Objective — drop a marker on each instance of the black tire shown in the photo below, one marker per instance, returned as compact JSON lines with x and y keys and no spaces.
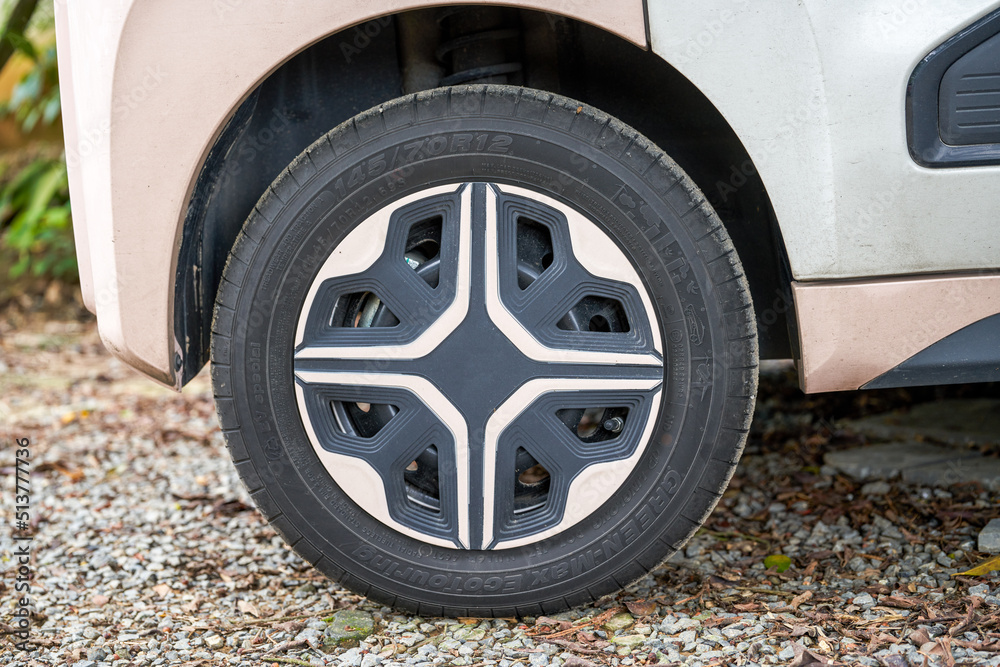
{"x":548,"y":149}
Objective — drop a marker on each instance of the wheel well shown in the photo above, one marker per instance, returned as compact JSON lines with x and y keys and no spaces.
{"x":358,"y":68}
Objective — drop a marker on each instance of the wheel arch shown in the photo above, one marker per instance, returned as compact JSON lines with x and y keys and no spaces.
{"x":287,"y":110}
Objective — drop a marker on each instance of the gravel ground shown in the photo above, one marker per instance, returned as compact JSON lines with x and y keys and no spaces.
{"x":147,"y":551}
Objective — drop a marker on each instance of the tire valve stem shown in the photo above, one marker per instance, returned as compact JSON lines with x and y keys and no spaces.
{"x":614,"y":425}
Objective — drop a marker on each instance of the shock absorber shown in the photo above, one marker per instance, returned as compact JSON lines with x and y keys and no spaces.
{"x":481,"y":45}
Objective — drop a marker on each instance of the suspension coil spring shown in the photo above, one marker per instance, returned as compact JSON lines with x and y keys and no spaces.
{"x":481,"y":47}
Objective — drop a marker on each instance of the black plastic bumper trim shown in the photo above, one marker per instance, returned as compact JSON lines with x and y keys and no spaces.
{"x":971,"y":354}
{"x":922,"y":102}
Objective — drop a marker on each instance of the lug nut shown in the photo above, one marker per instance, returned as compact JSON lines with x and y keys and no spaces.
{"x":614,"y":425}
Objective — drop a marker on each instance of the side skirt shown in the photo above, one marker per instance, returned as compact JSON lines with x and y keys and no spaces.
{"x":895,"y":332}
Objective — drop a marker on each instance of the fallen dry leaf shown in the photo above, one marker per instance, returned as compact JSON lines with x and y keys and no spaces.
{"x":74,"y":474}
{"x":987,"y":566}
{"x":800,"y":630}
{"x":291,"y":627}
{"x":192,"y":606}
{"x":806,"y":658}
{"x":880,"y":639}
{"x":799,"y":599}
{"x":575,"y":661}
{"x":248,"y":608}
{"x":900,"y":603}
{"x":641,"y":607}
{"x":546,"y":622}
{"x":940,"y":649}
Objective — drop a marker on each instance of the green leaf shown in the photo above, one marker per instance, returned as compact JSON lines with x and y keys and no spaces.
{"x":22,"y":44}
{"x":778,"y":562}
{"x":35,"y":206}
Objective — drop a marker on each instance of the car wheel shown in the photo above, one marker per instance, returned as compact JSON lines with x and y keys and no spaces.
{"x":484,"y":351}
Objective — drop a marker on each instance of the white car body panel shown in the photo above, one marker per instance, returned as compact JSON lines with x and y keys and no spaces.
{"x":816,"y":91}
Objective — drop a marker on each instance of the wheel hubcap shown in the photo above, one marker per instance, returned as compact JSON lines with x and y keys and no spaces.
{"x":478,"y":366}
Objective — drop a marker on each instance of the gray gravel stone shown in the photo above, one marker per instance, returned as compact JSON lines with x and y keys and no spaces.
{"x":347,"y":628}
{"x":878,"y":488}
{"x":982,"y":590}
{"x":989,"y":537}
{"x":865,"y":600}
{"x":619,"y":622}
{"x":687,"y":637}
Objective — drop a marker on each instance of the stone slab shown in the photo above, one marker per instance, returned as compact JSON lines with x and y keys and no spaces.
{"x":956,"y":421}
{"x":890,"y":460}
{"x":985,"y":471}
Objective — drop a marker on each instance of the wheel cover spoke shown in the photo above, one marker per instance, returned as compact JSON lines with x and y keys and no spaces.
{"x":487,"y":373}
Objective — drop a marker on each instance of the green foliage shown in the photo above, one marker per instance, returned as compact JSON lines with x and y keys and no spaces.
{"x":35,"y":218}
{"x":35,"y":207}
{"x":35,"y":97}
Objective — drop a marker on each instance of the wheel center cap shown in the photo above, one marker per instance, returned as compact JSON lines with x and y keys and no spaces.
{"x":477,"y":367}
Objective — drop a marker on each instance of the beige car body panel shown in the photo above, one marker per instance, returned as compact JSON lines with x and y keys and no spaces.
{"x":155,"y":81}
{"x":814,"y":89}
{"x":857,"y":330}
